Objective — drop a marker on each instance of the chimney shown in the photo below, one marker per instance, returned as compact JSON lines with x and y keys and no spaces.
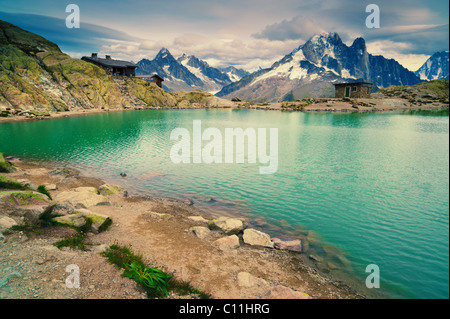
{"x":108,"y":57}
{"x":94,"y":55}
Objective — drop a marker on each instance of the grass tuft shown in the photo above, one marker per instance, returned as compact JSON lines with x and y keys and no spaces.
{"x":155,"y":282}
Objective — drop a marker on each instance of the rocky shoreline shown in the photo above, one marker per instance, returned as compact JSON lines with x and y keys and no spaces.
{"x":307,"y":105}
{"x":222,"y":257}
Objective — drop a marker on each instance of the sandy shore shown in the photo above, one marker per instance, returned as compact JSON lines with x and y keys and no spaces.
{"x":239,"y":273}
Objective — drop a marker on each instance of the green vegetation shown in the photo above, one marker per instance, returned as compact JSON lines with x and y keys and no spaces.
{"x":155,"y":282}
{"x":23,"y":198}
{"x":26,"y":228}
{"x":43,"y":190}
{"x":9,"y":183}
{"x":76,"y":240}
{"x":5,"y":167}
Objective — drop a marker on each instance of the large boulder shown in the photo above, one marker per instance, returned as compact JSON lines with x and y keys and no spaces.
{"x":227,"y":243}
{"x":6,"y":223}
{"x":79,"y":217}
{"x":73,"y":220}
{"x":99,"y":221}
{"x":229,"y":226}
{"x":107,"y":189}
{"x":27,"y":204}
{"x":256,"y":238}
{"x":86,"y":196}
{"x":200,"y":231}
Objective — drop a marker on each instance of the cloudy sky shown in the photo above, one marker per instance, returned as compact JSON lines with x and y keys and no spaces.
{"x":243,"y":33}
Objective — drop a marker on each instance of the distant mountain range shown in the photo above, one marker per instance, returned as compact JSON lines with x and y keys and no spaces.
{"x":436,"y":67}
{"x":188,"y":73}
{"x":311,"y":70}
{"x":308,"y":71}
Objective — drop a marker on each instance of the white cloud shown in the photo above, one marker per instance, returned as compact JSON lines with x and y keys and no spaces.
{"x":295,"y":29}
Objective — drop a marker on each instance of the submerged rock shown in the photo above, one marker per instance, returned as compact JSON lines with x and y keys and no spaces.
{"x":291,"y":245}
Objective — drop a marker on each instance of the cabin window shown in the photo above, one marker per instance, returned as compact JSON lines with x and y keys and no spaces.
{"x":354,"y":88}
{"x":368,"y":91}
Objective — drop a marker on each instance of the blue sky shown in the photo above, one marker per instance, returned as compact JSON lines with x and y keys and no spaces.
{"x":244,"y":33}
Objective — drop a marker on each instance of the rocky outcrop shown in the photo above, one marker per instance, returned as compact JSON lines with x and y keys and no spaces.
{"x":38,"y":79}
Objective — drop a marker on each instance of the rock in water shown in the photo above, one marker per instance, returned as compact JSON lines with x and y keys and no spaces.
{"x":292,"y":245}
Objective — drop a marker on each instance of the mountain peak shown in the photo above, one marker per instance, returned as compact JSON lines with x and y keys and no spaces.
{"x":328,"y":36}
{"x":359,"y":43}
{"x":163,"y":54}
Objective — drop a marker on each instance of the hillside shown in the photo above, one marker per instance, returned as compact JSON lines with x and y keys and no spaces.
{"x":436,"y":91}
{"x":37,"y":78}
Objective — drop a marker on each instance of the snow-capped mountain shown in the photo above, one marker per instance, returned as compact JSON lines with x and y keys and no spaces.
{"x":188,"y":73}
{"x":213,"y":79}
{"x":436,"y":67}
{"x":176,"y":76}
{"x":311,"y":69}
{"x":234,"y":74}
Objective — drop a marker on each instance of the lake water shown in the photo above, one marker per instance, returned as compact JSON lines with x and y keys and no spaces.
{"x":359,"y":188}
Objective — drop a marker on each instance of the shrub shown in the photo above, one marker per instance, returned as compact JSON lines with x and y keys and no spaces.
{"x":9,"y":183}
{"x":5,"y":167}
{"x":43,"y":190}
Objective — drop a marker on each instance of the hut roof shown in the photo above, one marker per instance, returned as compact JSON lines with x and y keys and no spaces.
{"x":110,"y":62}
{"x":354,"y":83}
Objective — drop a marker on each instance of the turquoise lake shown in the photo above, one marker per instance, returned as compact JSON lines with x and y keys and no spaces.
{"x":359,"y":188}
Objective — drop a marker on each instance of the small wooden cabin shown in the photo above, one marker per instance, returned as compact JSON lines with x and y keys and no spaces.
{"x":113,"y":67}
{"x":154,"y":78}
{"x":353,"y":90}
